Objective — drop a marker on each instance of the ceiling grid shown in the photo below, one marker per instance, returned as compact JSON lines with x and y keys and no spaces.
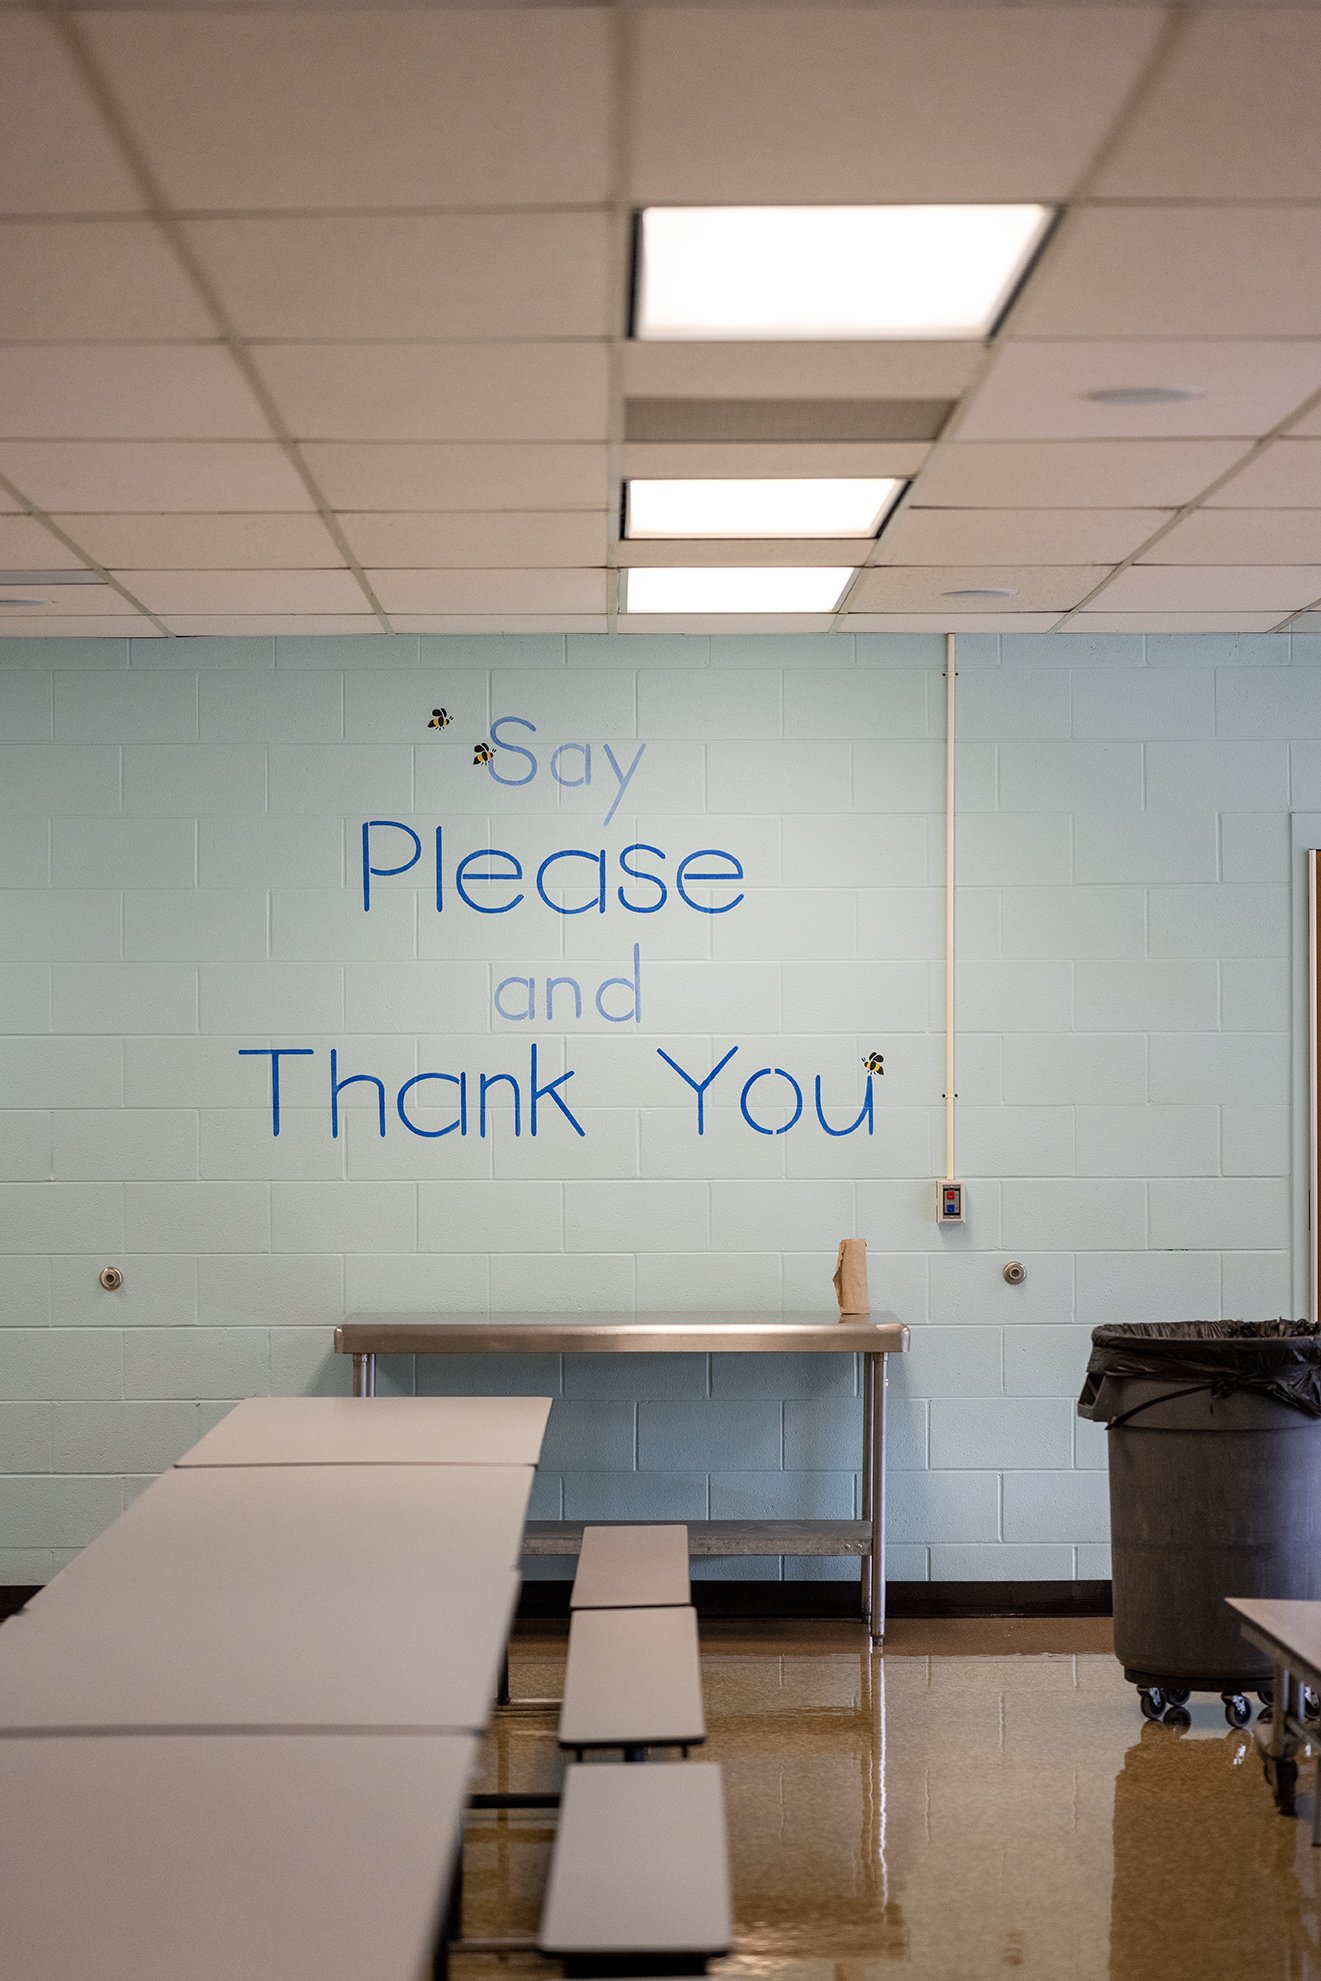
{"x":317,"y":319}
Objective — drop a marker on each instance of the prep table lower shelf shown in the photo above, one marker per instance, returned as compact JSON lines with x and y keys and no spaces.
{"x":724,"y":1537}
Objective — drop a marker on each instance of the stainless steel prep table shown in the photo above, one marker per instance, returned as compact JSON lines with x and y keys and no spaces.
{"x":365,"y":1336}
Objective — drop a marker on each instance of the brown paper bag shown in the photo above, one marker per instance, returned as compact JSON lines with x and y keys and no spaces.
{"x":851,"y":1277}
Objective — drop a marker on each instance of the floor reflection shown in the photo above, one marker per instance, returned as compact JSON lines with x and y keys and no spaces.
{"x":946,"y":1817}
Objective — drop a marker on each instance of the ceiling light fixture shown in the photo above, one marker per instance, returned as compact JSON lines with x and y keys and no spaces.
{"x":1142,"y":395}
{"x":830,"y":271}
{"x":759,"y":588}
{"x":982,"y":591}
{"x":79,"y":577}
{"x":21,"y":604}
{"x":733,"y":509}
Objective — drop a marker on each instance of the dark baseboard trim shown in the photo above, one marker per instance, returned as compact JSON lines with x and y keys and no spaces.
{"x":826,"y":1599}
{"x":540,"y":1600}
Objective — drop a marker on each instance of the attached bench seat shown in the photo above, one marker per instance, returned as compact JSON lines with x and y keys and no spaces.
{"x":631,"y":1568}
{"x":639,"y":1878}
{"x":633,"y":1681}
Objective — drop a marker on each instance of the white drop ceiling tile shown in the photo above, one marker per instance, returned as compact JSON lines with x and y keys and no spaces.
{"x":922,"y":588}
{"x":437,"y":275}
{"x":525,"y":392}
{"x":1172,"y":622}
{"x":897,"y":458}
{"x":61,"y":601}
{"x":167,"y":592}
{"x":1241,"y":536}
{"x":14,"y":626}
{"x":949,"y":622}
{"x":655,"y":369}
{"x":1309,"y":427}
{"x":204,"y":543}
{"x":504,"y":622}
{"x":125,"y":392}
{"x":254,"y":625}
{"x":1016,"y":536}
{"x":1184,"y":271}
{"x":497,"y":540}
{"x":56,"y":155}
{"x":368,"y":108}
{"x":490,"y":591}
{"x":1212,"y":588}
{"x":27,"y":545}
{"x":119,"y":475}
{"x":1040,"y":391}
{"x":1233,"y":113}
{"x":425,"y":475}
{"x":1285,"y":475}
{"x":905,"y":103}
{"x":1073,"y":474}
{"x":93,"y":279}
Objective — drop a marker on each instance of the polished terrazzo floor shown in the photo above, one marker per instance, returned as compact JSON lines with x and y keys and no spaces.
{"x":984,"y":1799}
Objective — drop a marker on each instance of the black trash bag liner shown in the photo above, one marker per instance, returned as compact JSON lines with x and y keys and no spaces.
{"x":1279,"y":1359}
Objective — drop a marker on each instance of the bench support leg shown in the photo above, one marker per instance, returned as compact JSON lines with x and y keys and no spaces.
{"x":873,"y":1460}
{"x":364,"y":1375}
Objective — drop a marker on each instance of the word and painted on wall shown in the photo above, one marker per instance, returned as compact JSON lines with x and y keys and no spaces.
{"x":637,"y":879}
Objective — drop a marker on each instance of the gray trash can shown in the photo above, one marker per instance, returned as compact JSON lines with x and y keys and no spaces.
{"x":1215,"y":1491}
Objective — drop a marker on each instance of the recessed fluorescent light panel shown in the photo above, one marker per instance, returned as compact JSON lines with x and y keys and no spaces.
{"x":801,"y":508}
{"x":830,"y":271}
{"x":733,"y":588}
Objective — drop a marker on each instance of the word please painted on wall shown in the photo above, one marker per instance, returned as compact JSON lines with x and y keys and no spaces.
{"x":770,"y":1101}
{"x":572,"y":880}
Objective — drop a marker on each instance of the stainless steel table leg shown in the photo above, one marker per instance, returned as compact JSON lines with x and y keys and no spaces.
{"x":364,"y":1375}
{"x":877,"y":1375}
{"x":864,"y":1579}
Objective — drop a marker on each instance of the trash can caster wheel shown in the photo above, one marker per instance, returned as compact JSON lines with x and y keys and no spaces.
{"x":1152,"y":1701}
{"x":1178,"y":1695}
{"x":1237,"y":1710}
{"x":1178,"y":1716}
{"x":1266,"y":1694}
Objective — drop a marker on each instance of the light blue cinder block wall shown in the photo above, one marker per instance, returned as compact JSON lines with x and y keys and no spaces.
{"x":179,"y":834}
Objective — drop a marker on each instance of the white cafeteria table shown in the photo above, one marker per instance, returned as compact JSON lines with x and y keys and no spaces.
{"x":397,"y":1430}
{"x":220,"y":1857}
{"x":290,"y":1596}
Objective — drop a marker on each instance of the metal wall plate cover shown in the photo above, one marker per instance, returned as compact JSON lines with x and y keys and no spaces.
{"x":111,"y":1278}
{"x":1015,"y":1273}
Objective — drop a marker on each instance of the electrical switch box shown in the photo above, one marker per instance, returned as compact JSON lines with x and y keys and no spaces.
{"x":950,"y":1205}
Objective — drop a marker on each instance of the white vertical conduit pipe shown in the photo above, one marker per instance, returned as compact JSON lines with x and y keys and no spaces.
{"x":950,"y":1170}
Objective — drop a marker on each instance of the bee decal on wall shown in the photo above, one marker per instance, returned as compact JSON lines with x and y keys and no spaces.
{"x":440,"y":719}
{"x":482,"y":753}
{"x":874,"y":1063}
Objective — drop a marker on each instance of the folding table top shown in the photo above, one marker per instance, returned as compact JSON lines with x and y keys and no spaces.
{"x":378,"y":1430}
{"x":343,"y":1529}
{"x":425,"y":1656}
{"x":280,"y":1596}
{"x":297,"y":1857}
